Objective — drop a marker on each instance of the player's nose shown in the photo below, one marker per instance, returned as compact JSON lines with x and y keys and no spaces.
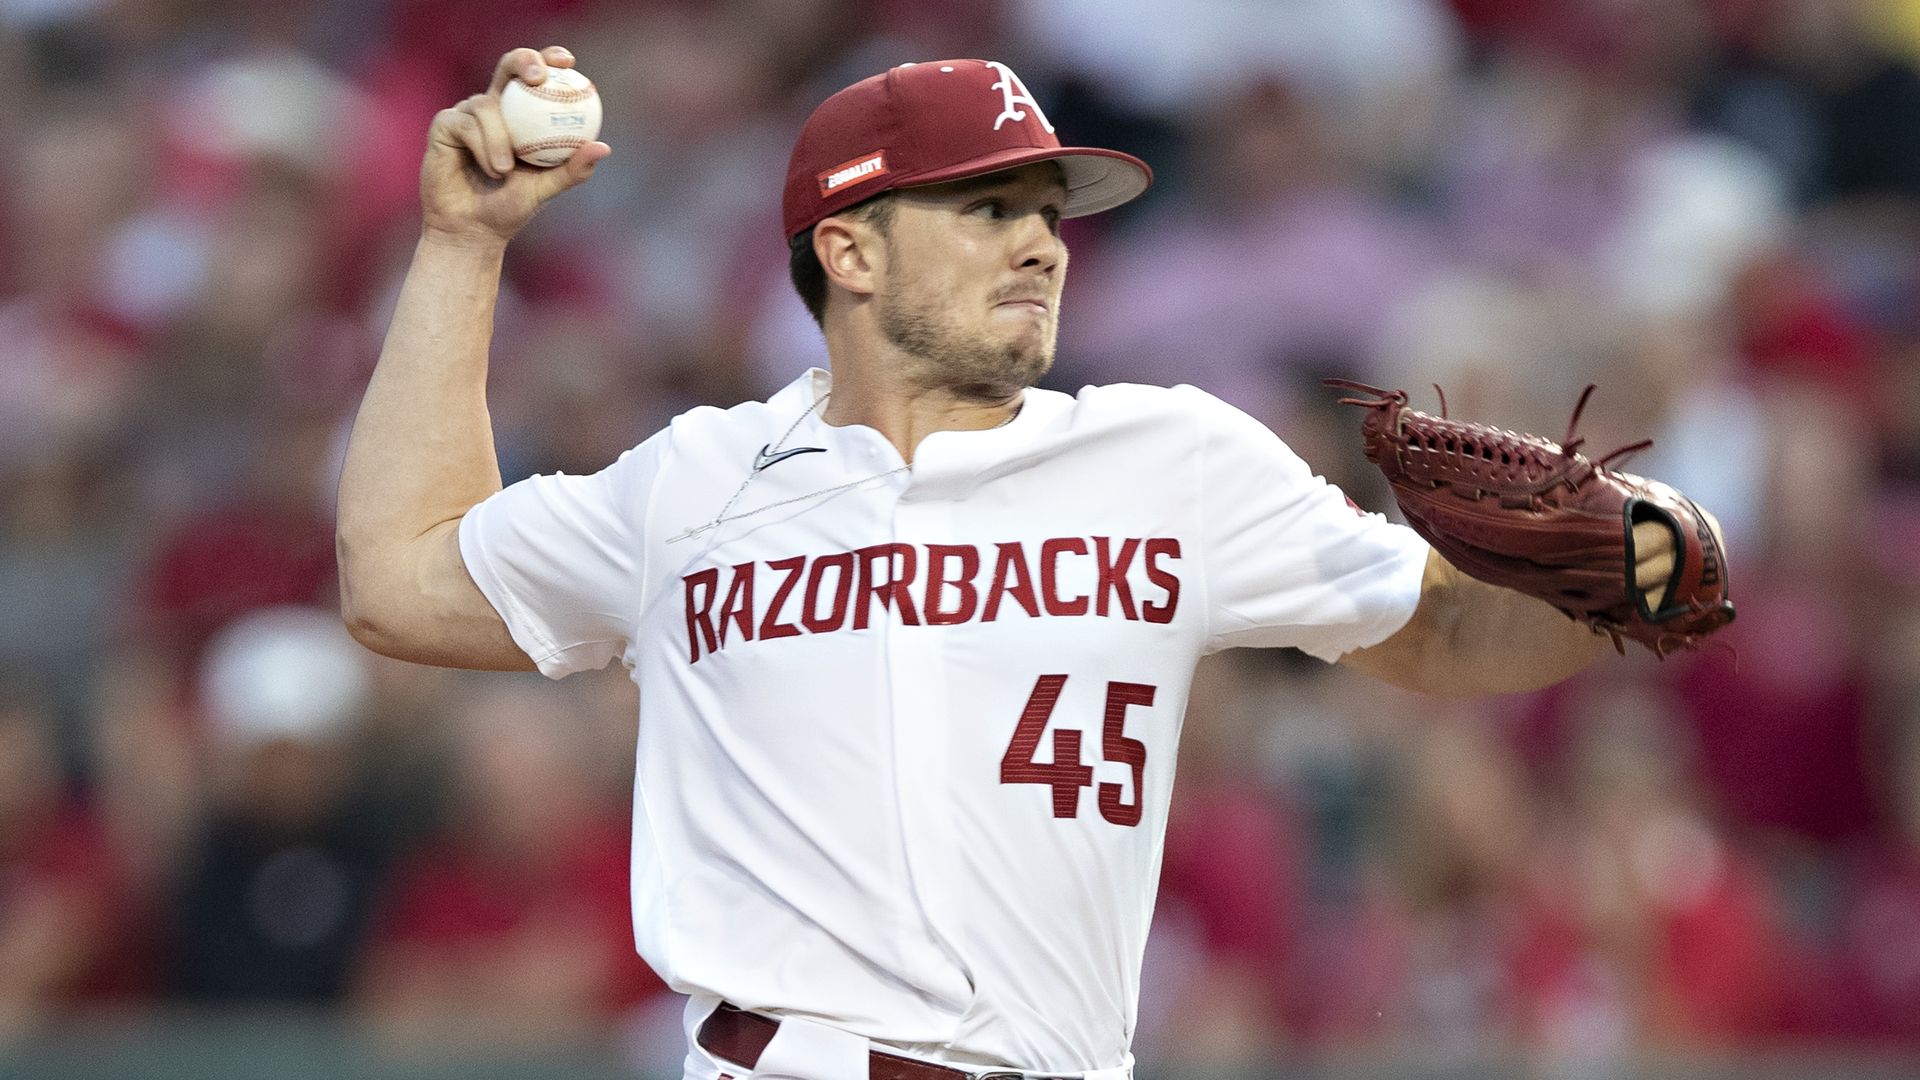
{"x":1037,"y":247}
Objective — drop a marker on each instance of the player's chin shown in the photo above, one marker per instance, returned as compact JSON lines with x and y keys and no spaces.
{"x":1032,"y":337}
{"x":1004,"y":373}
{"x":1029,"y":366}
{"x":1009,"y":363}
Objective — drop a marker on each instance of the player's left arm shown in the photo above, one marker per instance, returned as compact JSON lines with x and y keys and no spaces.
{"x":1468,"y":638}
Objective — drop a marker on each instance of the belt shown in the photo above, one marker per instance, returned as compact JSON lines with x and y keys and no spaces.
{"x":741,"y":1037}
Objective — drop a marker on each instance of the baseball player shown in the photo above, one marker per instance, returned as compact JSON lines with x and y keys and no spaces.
{"x":913,"y":637}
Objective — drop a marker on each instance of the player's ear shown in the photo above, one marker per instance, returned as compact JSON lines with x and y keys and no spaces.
{"x":851,"y":252}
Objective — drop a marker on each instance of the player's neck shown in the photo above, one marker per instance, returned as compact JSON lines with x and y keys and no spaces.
{"x":874,"y":394}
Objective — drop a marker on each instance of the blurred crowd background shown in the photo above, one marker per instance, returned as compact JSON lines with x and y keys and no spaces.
{"x":213,"y":804}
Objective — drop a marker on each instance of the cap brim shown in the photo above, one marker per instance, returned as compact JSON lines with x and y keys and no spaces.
{"x":1096,"y":179}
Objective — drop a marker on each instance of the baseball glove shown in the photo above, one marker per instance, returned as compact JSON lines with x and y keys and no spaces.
{"x":1528,"y":514}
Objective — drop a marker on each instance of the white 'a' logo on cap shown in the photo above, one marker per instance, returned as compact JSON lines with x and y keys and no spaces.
{"x":1014,"y":92}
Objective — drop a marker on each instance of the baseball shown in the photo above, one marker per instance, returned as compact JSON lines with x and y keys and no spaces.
{"x":548,"y":122}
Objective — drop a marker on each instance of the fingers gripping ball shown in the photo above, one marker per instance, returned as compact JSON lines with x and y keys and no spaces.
{"x":547,"y":123}
{"x":1538,"y":517}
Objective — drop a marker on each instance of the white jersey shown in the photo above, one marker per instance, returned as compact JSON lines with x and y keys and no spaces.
{"x":907,"y":735}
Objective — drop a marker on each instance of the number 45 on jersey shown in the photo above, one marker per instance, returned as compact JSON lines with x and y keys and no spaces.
{"x":1066,"y":774}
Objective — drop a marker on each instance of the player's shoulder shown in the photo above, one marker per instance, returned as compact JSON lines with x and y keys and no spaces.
{"x":1175,"y":419}
{"x":1125,"y":401}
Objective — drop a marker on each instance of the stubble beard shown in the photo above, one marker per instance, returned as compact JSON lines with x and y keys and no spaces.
{"x":950,"y":357}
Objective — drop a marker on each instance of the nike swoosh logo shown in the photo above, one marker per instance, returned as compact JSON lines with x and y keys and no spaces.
{"x":763,"y":459}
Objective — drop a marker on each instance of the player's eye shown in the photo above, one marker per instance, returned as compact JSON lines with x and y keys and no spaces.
{"x":990,"y":208}
{"x":1052,"y":216}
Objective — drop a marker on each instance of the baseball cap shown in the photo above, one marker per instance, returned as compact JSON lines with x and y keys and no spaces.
{"x":932,"y":122}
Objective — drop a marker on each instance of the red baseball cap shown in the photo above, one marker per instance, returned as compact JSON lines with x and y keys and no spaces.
{"x":933,"y":122}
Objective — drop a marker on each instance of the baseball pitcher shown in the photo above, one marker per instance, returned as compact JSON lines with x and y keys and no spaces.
{"x":915,"y":637}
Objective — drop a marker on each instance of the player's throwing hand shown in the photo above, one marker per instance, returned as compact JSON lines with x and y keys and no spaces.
{"x":470,"y":185}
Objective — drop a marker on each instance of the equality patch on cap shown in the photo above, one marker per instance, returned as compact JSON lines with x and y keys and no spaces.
{"x":857,"y":171}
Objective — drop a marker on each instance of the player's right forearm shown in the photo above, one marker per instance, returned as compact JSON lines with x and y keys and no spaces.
{"x":421,"y":453}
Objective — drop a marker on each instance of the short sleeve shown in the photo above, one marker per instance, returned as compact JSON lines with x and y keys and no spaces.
{"x":1290,"y":561}
{"x":561,"y":559}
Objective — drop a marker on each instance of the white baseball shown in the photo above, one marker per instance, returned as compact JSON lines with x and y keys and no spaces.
{"x":548,"y":122}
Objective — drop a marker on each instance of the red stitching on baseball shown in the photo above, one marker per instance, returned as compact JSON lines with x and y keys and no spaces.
{"x":554,"y":143}
{"x":561,"y":96}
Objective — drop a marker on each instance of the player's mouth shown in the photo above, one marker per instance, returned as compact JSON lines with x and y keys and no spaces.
{"x":1031,"y":303}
